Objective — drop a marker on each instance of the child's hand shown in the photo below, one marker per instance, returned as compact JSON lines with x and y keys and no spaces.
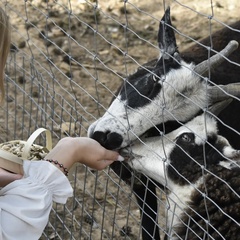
{"x":83,"y":150}
{"x":92,"y":154}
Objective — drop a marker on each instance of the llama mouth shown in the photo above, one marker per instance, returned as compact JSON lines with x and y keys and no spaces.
{"x":126,"y":153}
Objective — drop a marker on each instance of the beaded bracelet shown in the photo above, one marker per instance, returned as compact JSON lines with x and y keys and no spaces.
{"x":59,"y":164}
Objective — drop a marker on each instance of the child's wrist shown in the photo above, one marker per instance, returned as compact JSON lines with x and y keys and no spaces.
{"x":58,"y":165}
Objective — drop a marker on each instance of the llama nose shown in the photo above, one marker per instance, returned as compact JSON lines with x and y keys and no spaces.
{"x":109,"y":140}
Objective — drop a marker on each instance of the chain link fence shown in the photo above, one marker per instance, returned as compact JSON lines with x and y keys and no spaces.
{"x":67,"y":61}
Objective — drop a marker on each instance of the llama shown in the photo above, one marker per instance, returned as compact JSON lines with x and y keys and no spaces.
{"x":135,"y":109}
{"x":172,"y":90}
{"x":201,"y":170}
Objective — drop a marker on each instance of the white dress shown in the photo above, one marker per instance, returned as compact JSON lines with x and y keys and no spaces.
{"x":25,"y":204}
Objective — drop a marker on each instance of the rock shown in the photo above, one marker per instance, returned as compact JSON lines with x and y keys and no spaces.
{"x":22,"y":44}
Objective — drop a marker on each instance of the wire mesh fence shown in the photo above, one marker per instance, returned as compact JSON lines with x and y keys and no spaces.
{"x":68,"y":58}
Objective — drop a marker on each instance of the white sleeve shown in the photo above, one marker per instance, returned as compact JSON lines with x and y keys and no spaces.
{"x":25,"y":204}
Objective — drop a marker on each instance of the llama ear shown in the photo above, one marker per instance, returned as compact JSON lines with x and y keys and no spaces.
{"x":166,"y":36}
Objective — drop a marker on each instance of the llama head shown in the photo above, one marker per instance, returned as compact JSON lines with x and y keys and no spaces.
{"x":171,"y":90}
{"x":180,"y":156}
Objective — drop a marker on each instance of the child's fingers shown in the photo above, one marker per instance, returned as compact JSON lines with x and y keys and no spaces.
{"x":112,"y":156}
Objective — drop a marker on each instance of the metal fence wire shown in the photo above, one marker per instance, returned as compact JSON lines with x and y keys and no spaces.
{"x":68,"y":58}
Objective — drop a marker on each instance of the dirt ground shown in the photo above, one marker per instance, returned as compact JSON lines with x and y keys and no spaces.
{"x":81,"y":53}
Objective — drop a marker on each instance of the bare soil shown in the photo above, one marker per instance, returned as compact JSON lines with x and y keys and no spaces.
{"x":79,"y":54}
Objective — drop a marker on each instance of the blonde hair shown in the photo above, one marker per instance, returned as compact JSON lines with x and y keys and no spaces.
{"x":5,"y":39}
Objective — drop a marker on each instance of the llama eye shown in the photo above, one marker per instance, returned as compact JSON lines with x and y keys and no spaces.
{"x":186,"y":138}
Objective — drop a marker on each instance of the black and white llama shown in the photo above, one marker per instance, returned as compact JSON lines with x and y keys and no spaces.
{"x":164,"y":93}
{"x":201,"y":170}
{"x":171,"y":90}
